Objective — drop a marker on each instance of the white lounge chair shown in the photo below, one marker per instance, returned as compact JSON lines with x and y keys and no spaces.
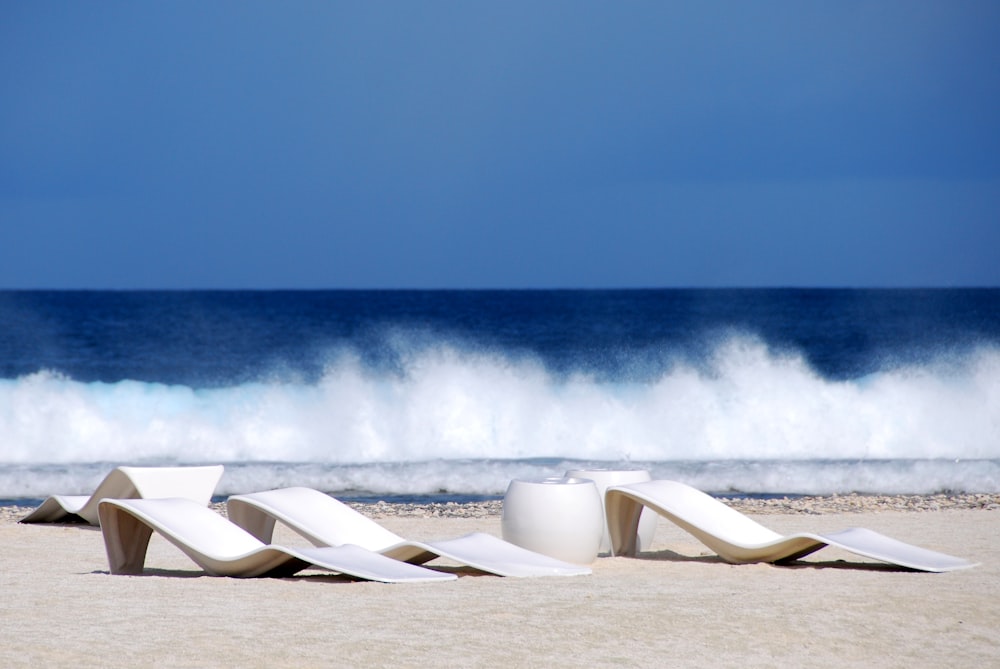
{"x":738,"y":539}
{"x":223,"y":549}
{"x":196,"y":483}
{"x":326,"y":521}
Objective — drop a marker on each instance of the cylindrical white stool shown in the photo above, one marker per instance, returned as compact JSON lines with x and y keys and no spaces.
{"x":558,"y":517}
{"x":605,"y":478}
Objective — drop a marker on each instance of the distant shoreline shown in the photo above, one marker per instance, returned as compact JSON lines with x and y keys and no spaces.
{"x":852,"y":503}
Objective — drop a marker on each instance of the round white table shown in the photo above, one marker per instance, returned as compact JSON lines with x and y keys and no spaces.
{"x":559,"y":517}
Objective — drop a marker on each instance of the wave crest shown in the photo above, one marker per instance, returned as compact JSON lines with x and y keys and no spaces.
{"x":745,"y":402}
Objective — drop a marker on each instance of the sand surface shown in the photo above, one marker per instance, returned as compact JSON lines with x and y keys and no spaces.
{"x":676,"y":606}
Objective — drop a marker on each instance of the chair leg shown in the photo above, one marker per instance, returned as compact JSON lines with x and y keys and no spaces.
{"x":126,"y":539}
{"x":623,"y":523}
{"x":251,"y":519}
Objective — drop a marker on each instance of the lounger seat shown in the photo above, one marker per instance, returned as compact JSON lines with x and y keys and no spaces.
{"x":223,"y":549}
{"x":738,"y":539}
{"x":326,"y":521}
{"x":195,"y":483}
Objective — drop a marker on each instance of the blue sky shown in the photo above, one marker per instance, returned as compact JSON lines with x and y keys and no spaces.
{"x":515,"y":144}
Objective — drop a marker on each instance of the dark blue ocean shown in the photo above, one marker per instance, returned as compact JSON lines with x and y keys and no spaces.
{"x":452,"y":393}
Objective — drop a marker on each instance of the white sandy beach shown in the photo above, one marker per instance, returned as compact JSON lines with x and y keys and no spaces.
{"x":676,"y":606}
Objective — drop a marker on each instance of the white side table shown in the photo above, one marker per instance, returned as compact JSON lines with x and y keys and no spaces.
{"x":604,"y":478}
{"x":559,"y":517}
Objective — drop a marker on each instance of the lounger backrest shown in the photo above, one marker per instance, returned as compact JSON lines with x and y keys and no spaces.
{"x":320,"y":518}
{"x":196,"y":483}
{"x":706,"y":513}
{"x":188,"y":524}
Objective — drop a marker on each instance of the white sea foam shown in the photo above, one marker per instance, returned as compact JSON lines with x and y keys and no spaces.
{"x":748,"y":419}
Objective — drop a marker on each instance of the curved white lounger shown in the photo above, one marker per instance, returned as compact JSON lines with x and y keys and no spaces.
{"x":223,"y":549}
{"x":738,"y":539}
{"x":196,"y":483}
{"x":326,"y":521}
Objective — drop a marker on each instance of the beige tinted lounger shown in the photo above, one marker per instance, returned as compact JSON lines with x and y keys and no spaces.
{"x":738,"y":539}
{"x":196,"y":483}
{"x":223,"y":549}
{"x":326,"y":521}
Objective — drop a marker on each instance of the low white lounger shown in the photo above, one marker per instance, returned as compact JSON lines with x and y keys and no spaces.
{"x":738,"y":539}
{"x":223,"y":549}
{"x":326,"y":521}
{"x":196,"y":483}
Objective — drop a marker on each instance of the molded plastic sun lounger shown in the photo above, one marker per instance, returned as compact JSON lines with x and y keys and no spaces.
{"x":196,"y":483}
{"x":738,"y":539}
{"x":326,"y":521}
{"x":223,"y":549}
